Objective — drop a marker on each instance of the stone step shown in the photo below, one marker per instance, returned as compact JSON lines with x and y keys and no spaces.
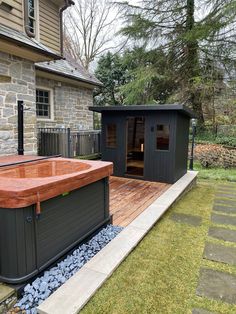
{"x":226,"y":195}
{"x":5,"y":292}
{"x":186,"y":219}
{"x":223,"y":219}
{"x":217,"y":285}
{"x":201,"y":311}
{"x":225,"y":202}
{"x":224,"y":209}
{"x":222,"y":234}
{"x":220,"y":253}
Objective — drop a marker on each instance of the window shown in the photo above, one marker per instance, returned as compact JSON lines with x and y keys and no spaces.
{"x":43,"y":104}
{"x":111,"y":136}
{"x":30,"y":17}
{"x":162,"y":137}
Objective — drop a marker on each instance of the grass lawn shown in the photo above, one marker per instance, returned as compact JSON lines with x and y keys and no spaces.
{"x":215,"y":173}
{"x":160,"y":276}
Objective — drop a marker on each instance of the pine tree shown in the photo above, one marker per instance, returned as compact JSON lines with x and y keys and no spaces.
{"x":189,"y":32}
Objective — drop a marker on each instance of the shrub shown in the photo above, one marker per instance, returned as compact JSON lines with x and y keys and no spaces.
{"x":226,"y":140}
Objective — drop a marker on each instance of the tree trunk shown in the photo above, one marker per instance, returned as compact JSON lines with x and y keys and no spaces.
{"x":197,"y":106}
{"x":192,"y":63}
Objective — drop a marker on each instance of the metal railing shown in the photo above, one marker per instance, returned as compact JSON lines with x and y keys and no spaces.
{"x":54,"y":141}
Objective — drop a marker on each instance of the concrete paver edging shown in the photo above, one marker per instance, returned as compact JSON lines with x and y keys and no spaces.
{"x":77,"y":291}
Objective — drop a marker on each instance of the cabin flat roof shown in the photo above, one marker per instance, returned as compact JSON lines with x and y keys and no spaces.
{"x":169,"y":107}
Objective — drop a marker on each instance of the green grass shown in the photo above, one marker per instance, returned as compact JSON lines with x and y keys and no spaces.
{"x":215,"y":173}
{"x":160,"y":276}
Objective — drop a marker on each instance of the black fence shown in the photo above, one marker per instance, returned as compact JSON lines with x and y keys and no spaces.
{"x":59,"y":141}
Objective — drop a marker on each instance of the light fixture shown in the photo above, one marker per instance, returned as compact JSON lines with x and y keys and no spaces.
{"x":194,"y":124}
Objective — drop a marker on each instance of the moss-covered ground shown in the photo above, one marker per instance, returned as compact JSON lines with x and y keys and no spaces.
{"x":161,"y":275}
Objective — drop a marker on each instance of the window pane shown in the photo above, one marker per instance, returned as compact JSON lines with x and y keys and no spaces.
{"x":31,"y":25}
{"x":111,"y":136}
{"x":162,"y":137}
{"x":31,"y":8}
{"x":30,"y":17}
{"x":43,"y":109}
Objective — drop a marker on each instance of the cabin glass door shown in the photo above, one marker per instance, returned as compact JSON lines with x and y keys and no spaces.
{"x":135,"y":146}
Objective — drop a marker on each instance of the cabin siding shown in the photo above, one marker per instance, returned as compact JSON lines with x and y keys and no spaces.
{"x":159,"y":165}
{"x":15,"y":17}
{"x":111,"y":154}
{"x":49,"y":25}
{"x":181,"y":146}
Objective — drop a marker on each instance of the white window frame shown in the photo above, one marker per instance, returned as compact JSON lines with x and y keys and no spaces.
{"x":35,"y":34}
{"x":51,"y":97}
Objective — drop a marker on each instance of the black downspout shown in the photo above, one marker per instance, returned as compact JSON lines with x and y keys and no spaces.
{"x":20,"y":127}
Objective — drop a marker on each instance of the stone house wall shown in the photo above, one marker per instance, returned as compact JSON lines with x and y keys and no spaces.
{"x":17,"y":82}
{"x":70,"y":106}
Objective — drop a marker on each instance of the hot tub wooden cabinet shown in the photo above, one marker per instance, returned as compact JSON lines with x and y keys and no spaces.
{"x":46,"y":208}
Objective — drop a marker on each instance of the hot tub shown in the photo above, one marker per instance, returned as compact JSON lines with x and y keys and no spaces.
{"x":46,"y":208}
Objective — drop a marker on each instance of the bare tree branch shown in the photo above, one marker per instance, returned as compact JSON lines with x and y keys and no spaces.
{"x":89,"y":29}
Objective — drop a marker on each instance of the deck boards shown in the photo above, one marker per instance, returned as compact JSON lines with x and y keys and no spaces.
{"x":130,"y":197}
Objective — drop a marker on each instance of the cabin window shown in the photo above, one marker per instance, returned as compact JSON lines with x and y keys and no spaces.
{"x":111,"y":135}
{"x":44,"y":104}
{"x":162,"y":137}
{"x":30,"y":17}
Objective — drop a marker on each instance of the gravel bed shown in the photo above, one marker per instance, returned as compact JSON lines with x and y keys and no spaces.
{"x":41,"y":288}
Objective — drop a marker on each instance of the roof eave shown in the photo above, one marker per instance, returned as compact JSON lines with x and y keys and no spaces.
{"x":38,"y":50}
{"x":41,"y":68}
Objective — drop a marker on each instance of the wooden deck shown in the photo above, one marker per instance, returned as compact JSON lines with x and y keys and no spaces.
{"x":130,"y":197}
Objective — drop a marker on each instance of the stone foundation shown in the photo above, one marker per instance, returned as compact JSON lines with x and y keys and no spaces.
{"x":17,"y":82}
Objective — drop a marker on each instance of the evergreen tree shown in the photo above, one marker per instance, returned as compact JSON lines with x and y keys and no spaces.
{"x":112,"y":73}
{"x":190,"y":33}
{"x":136,"y":77}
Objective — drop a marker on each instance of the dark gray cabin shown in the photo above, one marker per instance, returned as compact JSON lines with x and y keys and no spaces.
{"x":146,"y":142}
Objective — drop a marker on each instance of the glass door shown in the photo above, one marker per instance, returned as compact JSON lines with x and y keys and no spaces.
{"x":135,"y":146}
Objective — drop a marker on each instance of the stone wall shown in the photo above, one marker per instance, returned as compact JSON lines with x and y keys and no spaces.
{"x":70,"y":106}
{"x":17,"y":82}
{"x":214,"y":155}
